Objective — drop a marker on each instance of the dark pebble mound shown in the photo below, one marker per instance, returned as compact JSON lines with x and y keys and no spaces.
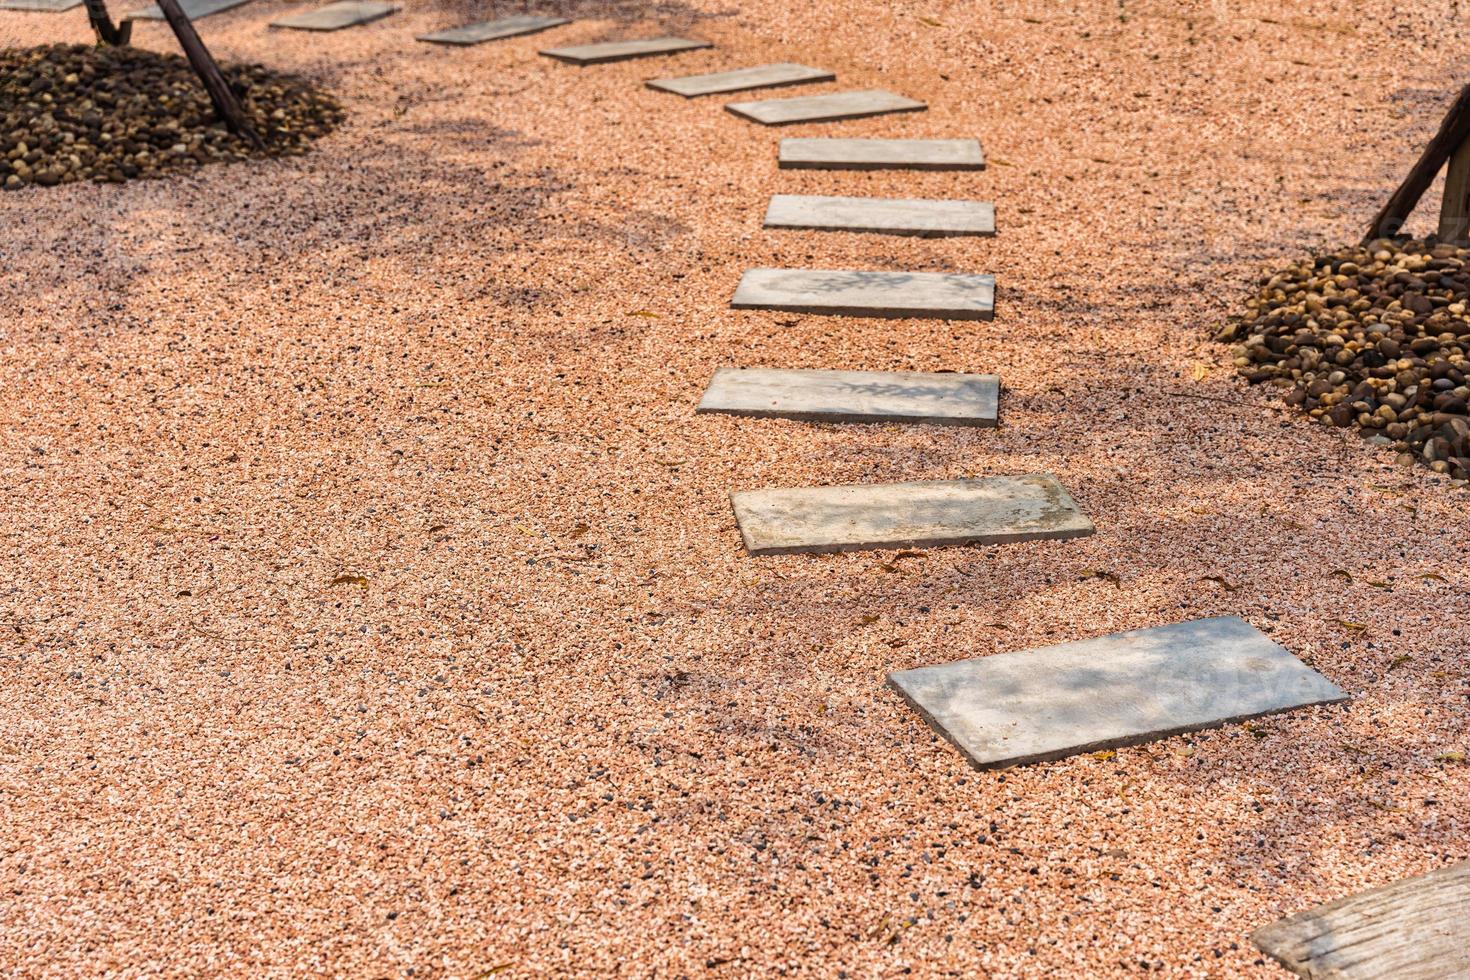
{"x":1373,"y":336}
{"x":75,"y":112}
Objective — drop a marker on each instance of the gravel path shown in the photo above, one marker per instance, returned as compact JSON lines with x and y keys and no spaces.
{"x":373,"y":604}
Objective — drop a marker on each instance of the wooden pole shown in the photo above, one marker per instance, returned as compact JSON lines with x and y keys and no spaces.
{"x":226,"y":105}
{"x":1450,"y":138}
{"x":1454,"y":210}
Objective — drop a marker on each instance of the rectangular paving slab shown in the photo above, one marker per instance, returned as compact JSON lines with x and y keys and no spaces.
{"x":493,"y":30}
{"x":1122,"y":689}
{"x":936,"y":295}
{"x":761,"y":76}
{"x":824,"y":108}
{"x":193,"y":9}
{"x":1413,"y":929}
{"x":893,"y":216}
{"x":989,"y":510}
{"x":854,"y":396}
{"x":876,"y":154}
{"x":40,"y":6}
{"x":596,"y":54}
{"x":335,"y":16}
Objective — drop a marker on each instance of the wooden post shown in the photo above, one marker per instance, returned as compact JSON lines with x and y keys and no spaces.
{"x":1454,"y":210}
{"x":102,"y":25}
{"x":226,"y":105}
{"x":1450,"y":138}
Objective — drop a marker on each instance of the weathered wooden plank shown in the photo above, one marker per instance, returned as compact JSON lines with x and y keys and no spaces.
{"x":1415,"y":929}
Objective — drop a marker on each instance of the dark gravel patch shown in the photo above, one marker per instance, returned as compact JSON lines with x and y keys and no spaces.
{"x":1373,"y":337}
{"x":74,"y":112}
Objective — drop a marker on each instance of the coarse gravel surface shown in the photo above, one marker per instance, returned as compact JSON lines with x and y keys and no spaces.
{"x":373,"y":605}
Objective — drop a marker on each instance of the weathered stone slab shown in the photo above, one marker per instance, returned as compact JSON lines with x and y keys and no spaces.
{"x":893,"y":216}
{"x":1413,"y":929}
{"x":824,"y":108}
{"x":193,"y":9}
{"x":596,"y":54}
{"x":335,"y":16}
{"x":40,"y":6}
{"x":761,"y":76}
{"x":990,"y":510}
{"x":876,"y":154}
{"x":854,"y":396}
{"x":493,"y":30}
{"x":936,"y":295}
{"x":1014,"y":708}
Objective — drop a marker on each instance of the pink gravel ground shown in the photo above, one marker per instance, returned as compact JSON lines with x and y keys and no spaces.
{"x":373,"y":605}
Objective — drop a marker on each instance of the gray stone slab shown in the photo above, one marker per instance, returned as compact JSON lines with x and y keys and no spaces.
{"x":335,"y":16}
{"x":875,"y":154}
{"x":854,"y":396}
{"x":493,"y":30}
{"x":989,"y":510}
{"x":193,"y":9}
{"x":892,"y":216}
{"x":761,"y":76}
{"x":596,"y":54}
{"x":1122,"y":689}
{"x":1413,"y":929}
{"x":40,"y":6}
{"x":935,"y":295}
{"x":824,"y":108}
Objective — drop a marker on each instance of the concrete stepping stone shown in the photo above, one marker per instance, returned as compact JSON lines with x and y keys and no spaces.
{"x":854,"y":396}
{"x":935,"y":295}
{"x":892,"y":216}
{"x":876,"y":154}
{"x":493,"y":30}
{"x":761,"y":76}
{"x":193,"y":9}
{"x":824,"y":108}
{"x":596,"y":54}
{"x":1122,"y":689}
{"x":989,"y":510}
{"x":335,"y":16}
{"x":40,"y":6}
{"x":1408,"y":930}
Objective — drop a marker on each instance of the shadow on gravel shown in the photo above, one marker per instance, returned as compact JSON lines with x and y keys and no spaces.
{"x":671,"y":13}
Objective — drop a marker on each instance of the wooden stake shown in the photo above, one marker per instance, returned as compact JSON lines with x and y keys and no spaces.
{"x":226,"y":105}
{"x":102,"y":25}
{"x":1454,"y":210}
{"x":1450,"y":138}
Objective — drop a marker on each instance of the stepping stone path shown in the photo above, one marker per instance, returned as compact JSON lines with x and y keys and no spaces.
{"x":762,"y":76}
{"x":493,"y":30}
{"x":1408,"y":930}
{"x":193,"y":9}
{"x":990,"y":510}
{"x":1015,"y":708}
{"x":335,"y":16}
{"x":874,"y":154}
{"x":885,"y":215}
{"x":854,"y":396}
{"x":40,"y":6}
{"x":824,"y":108}
{"x":596,"y":54}
{"x":935,"y":295}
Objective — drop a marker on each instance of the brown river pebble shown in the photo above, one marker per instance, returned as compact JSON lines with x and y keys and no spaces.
{"x":373,"y":605}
